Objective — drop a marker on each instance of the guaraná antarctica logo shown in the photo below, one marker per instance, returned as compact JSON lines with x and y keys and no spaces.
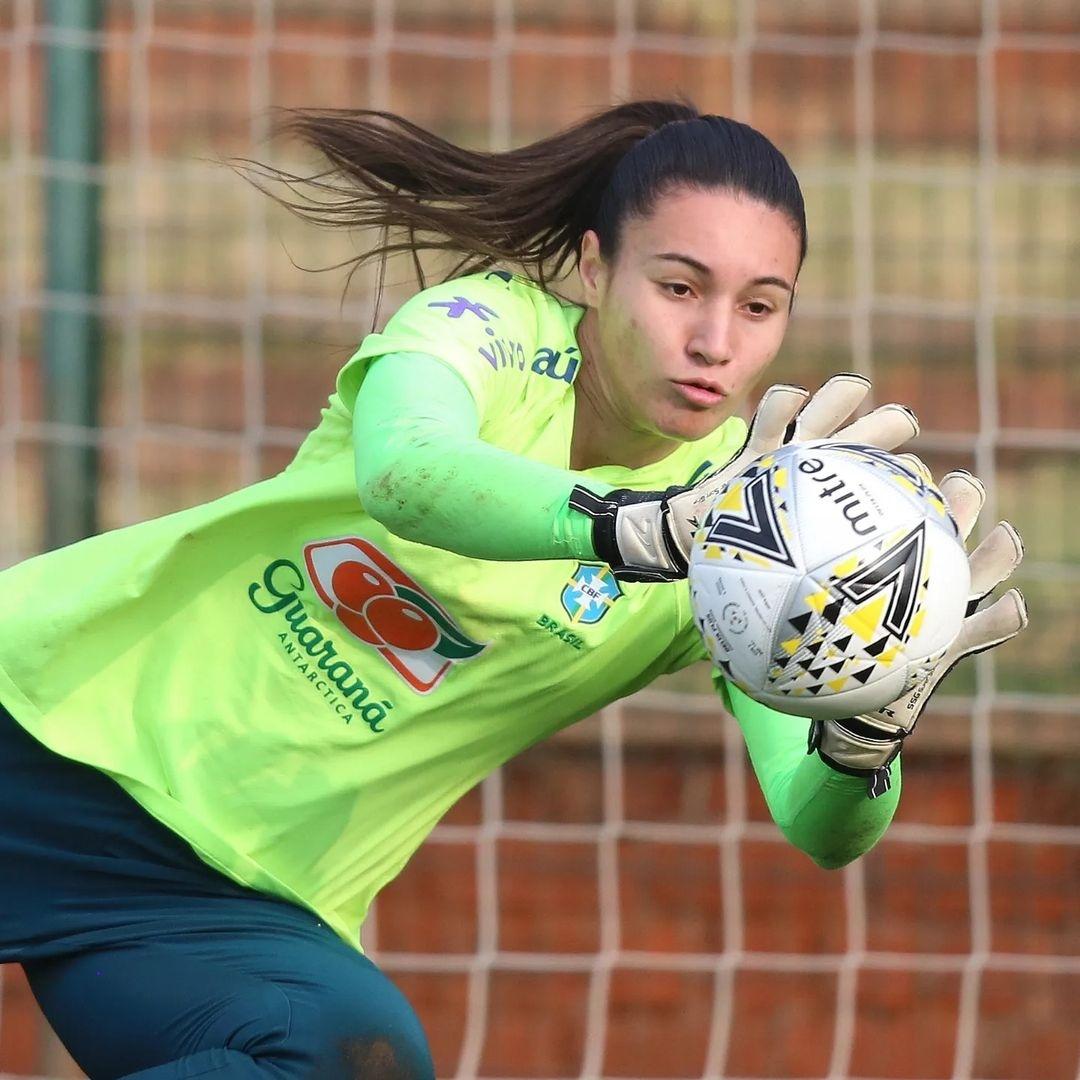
{"x":377,"y":602}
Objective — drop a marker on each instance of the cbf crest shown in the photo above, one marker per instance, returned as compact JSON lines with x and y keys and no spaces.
{"x":589,"y":593}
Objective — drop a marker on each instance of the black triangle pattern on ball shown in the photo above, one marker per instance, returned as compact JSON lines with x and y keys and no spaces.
{"x":757,"y":528}
{"x":876,"y":648}
{"x":831,"y":612}
{"x":815,"y":689}
{"x":842,"y":643}
{"x":801,"y":622}
{"x":818,"y":672}
{"x":836,"y":667}
{"x":894,"y":574}
{"x":862,"y":676}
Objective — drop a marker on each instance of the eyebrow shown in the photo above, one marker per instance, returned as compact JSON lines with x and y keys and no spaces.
{"x":704,"y":271}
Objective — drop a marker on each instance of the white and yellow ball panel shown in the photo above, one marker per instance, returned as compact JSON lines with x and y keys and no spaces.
{"x":844,"y":502}
{"x":916,"y":482}
{"x":735,"y":502}
{"x":739,"y":615}
{"x":852,"y":701}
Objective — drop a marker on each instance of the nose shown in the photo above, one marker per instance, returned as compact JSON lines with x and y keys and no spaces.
{"x":712,"y":341}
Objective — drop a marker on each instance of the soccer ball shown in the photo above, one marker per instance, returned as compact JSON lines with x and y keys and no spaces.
{"x":827,"y":579}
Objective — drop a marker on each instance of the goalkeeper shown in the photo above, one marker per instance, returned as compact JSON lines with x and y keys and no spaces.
{"x":225,"y":730}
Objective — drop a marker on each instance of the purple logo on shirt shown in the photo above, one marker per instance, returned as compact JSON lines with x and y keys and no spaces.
{"x":460,"y":305}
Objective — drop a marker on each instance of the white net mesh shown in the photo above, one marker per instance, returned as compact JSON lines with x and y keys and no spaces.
{"x":616,"y":903}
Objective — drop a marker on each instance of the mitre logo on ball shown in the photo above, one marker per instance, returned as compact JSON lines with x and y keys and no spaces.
{"x":827,"y":578}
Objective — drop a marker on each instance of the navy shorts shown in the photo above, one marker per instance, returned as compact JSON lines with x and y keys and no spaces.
{"x":149,"y":963}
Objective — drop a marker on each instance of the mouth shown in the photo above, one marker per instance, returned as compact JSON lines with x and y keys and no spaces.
{"x":700,"y":391}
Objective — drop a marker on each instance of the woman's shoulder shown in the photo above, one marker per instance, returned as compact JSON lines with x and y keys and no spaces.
{"x":506,"y":319}
{"x":474,"y":293}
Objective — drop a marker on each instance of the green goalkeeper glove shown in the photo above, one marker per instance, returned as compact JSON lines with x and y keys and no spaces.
{"x":647,"y":535}
{"x":867,"y":745}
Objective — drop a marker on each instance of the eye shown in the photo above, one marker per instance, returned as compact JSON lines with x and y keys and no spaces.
{"x":677,"y":289}
{"x":758,"y":308}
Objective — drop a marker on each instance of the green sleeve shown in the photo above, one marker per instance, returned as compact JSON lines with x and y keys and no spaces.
{"x":423,"y":471}
{"x":822,"y":812}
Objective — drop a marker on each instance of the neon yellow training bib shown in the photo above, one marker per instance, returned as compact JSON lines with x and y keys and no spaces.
{"x":302,"y":694}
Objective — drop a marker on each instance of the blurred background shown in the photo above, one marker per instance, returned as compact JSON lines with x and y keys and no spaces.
{"x":615,"y":902}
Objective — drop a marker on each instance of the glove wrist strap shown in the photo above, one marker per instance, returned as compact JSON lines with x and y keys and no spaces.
{"x":631,"y":533}
{"x":855,"y":748}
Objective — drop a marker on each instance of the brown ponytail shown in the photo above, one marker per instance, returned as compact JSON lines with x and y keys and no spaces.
{"x":527,"y":207}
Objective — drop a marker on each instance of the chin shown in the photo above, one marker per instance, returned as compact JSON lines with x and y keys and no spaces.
{"x":695,"y":426}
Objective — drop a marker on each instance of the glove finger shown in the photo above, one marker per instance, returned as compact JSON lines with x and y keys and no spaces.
{"x":835,"y":400}
{"x":964,"y":494}
{"x":990,"y":626}
{"x":888,"y":426}
{"x":777,"y":408}
{"x":995,"y":558}
{"x":917,"y":466}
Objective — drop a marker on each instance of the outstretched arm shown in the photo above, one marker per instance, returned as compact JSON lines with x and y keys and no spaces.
{"x":423,"y":471}
{"x":823,"y":812}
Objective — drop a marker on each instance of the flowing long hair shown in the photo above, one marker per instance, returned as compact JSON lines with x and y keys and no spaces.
{"x":528,"y":207}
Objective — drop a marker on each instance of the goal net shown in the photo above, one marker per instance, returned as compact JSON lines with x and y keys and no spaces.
{"x":616,"y":901}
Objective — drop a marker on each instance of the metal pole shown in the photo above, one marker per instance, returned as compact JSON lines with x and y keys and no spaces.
{"x":72,"y":325}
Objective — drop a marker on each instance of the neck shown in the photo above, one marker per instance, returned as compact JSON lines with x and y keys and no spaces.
{"x":602,"y":435}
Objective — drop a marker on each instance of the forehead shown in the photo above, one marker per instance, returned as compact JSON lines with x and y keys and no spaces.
{"x":719,"y":228}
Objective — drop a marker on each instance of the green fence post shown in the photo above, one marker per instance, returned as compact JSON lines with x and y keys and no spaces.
{"x":72,"y":324}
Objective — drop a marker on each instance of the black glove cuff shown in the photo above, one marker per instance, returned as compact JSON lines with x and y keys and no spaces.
{"x":604,"y":510}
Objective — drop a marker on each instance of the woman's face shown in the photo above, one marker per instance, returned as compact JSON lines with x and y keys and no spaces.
{"x":686,"y":317}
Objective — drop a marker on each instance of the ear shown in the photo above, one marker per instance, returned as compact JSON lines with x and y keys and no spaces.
{"x":592,"y":269}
